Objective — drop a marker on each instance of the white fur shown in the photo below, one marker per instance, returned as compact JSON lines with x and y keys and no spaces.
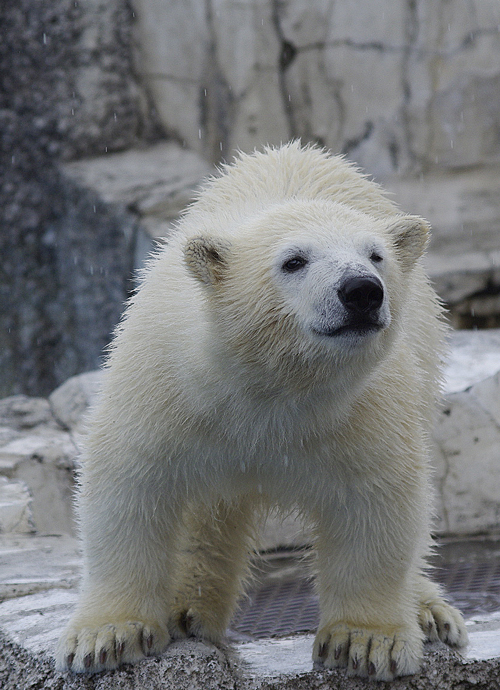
{"x":229,"y":387}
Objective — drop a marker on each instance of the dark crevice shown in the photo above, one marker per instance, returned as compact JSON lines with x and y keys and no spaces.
{"x":217,"y":103}
{"x":393,"y":149}
{"x":353,"y":143}
{"x":287,"y":55}
{"x":411,"y":36}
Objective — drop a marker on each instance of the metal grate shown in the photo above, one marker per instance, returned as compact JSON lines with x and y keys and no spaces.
{"x":278,"y":609}
{"x":474,"y":587}
{"x":289,"y":605}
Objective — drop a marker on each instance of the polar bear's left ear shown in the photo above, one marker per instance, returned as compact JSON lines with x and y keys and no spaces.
{"x":206,"y":258}
{"x":410,"y":235}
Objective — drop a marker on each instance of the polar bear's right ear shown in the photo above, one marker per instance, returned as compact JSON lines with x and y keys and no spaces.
{"x":206,"y":258}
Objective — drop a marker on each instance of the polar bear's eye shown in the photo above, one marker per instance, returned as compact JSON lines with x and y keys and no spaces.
{"x":294,"y":264}
{"x":376,"y":257}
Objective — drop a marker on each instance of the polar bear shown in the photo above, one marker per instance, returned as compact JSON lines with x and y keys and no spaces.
{"x":283,"y":349}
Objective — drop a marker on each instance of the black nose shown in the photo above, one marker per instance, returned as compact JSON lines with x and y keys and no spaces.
{"x":361,"y":294}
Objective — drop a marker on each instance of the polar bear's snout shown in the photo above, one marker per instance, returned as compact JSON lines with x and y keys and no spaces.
{"x":356,"y":306}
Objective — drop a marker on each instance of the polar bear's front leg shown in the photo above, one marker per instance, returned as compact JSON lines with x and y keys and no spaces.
{"x":212,"y":564}
{"x":368,"y":606}
{"x":122,"y":613}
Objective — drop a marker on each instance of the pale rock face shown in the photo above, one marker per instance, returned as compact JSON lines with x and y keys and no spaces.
{"x":15,"y":507}
{"x":71,"y":401}
{"x":396,"y":86}
{"x":38,"y":458}
{"x":454,"y":112}
{"x":467,"y":436}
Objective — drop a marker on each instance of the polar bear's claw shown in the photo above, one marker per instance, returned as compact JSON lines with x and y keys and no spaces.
{"x":368,"y":653}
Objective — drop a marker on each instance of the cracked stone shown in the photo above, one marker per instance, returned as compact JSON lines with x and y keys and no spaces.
{"x":467,"y":436}
{"x":15,"y":507}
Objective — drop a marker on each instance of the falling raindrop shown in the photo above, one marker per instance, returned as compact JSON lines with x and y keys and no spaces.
{"x":95,"y":209}
{"x":44,"y":39}
{"x":220,"y":145}
{"x":199,"y":134}
{"x":115,"y":117}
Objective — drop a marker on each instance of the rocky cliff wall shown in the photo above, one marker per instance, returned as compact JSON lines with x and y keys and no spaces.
{"x":405,"y":85}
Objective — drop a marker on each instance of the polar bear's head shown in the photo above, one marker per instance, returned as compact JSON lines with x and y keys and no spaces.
{"x":308,"y":275}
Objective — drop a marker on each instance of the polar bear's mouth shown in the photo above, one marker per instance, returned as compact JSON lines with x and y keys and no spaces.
{"x":359,"y":328}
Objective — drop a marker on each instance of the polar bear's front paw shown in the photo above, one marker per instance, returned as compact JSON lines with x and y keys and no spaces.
{"x":366,"y":652}
{"x":440,"y":621}
{"x":94,"y":649}
{"x":189,"y":622}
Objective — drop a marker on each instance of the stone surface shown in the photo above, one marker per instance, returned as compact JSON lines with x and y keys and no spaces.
{"x":464,"y":256}
{"x":38,"y":565}
{"x":67,"y":89}
{"x":21,"y":412}
{"x":67,"y":76}
{"x":15,"y":507}
{"x":70,"y":402}
{"x":284,"y":664}
{"x":396,"y":86}
{"x":467,"y":436}
{"x":36,"y":451}
{"x":67,"y":259}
